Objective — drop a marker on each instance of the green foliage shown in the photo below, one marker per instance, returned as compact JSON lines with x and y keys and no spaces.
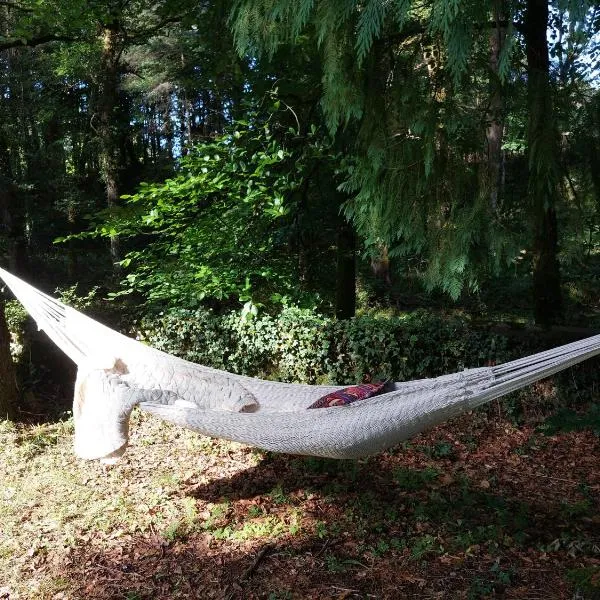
{"x":495,"y":581}
{"x":297,"y":345}
{"x":16,"y":320}
{"x":284,"y":595}
{"x":370,"y":25}
{"x":411,"y":479}
{"x":16,"y":315}
{"x":440,"y":450}
{"x":422,"y":546}
{"x":396,"y":93}
{"x":70,"y":296}
{"x":408,"y":90}
{"x":265,"y":25}
{"x":587,"y":580}
{"x":217,"y":229}
{"x":570,"y":420}
{"x":46,"y":17}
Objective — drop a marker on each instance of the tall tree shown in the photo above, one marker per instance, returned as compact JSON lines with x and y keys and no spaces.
{"x":495,"y":125}
{"x":543,"y":166}
{"x":108,"y":130}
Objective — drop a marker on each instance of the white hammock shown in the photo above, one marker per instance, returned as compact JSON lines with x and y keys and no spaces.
{"x":115,"y":373}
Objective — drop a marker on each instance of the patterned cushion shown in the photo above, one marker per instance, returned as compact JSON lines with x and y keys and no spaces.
{"x":349,"y":395}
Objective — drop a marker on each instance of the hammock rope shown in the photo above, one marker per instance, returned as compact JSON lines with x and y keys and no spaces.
{"x":115,"y":373}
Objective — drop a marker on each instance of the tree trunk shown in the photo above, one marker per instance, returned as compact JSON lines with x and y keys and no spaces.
{"x":594,"y":149}
{"x":13,"y":216}
{"x":494,"y":130}
{"x":345,"y":297}
{"x":72,"y":253}
{"x":14,"y":220}
{"x":8,"y":381}
{"x":543,"y":167}
{"x":153,"y":129}
{"x":108,"y":130}
{"x":168,"y":124}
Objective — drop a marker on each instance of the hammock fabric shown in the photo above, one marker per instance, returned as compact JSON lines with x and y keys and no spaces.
{"x":116,"y":373}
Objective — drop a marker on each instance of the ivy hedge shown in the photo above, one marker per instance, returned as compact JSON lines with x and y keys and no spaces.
{"x":298,"y":346}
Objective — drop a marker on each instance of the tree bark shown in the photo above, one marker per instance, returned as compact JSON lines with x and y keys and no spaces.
{"x":8,"y":44}
{"x":543,"y":167}
{"x":8,"y":381}
{"x":495,"y":128}
{"x":345,"y":297}
{"x":168,"y":125}
{"x":12,"y":216}
{"x":108,"y":129}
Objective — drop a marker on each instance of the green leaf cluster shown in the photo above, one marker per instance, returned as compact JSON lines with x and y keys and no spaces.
{"x":301,"y":346}
{"x":218,"y":229}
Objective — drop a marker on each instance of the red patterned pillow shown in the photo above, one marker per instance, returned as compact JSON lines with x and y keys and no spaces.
{"x":349,"y":395}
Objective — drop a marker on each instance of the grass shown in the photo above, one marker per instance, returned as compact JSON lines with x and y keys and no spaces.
{"x":183,"y":516}
{"x":413,"y":479}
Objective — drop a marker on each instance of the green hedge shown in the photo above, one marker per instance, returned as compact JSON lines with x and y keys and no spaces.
{"x":297,"y":345}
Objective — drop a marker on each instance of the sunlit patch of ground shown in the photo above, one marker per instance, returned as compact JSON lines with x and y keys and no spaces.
{"x":477,"y":508}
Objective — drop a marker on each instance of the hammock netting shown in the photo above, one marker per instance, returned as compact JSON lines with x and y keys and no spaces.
{"x":116,"y":373}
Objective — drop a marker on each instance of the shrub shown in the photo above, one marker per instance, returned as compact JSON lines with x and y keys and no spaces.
{"x":301,"y":346}
{"x":16,"y":320}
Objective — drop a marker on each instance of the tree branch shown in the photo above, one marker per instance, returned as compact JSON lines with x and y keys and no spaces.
{"x":146,"y":33}
{"x":8,"y":43}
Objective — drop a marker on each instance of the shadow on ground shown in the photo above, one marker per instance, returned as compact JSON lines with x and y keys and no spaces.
{"x":368,"y":530}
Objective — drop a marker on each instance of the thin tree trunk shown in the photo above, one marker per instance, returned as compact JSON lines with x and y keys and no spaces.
{"x":543,"y":167}
{"x":72,"y":254}
{"x":186,"y":122}
{"x":8,"y":381}
{"x":108,"y":100}
{"x":168,"y":125}
{"x":17,"y":246}
{"x":13,"y":216}
{"x":345,"y":297}
{"x":154,"y":137}
{"x":494,"y":130}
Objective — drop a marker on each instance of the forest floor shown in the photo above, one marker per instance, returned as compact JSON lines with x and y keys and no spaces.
{"x":477,"y":508}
